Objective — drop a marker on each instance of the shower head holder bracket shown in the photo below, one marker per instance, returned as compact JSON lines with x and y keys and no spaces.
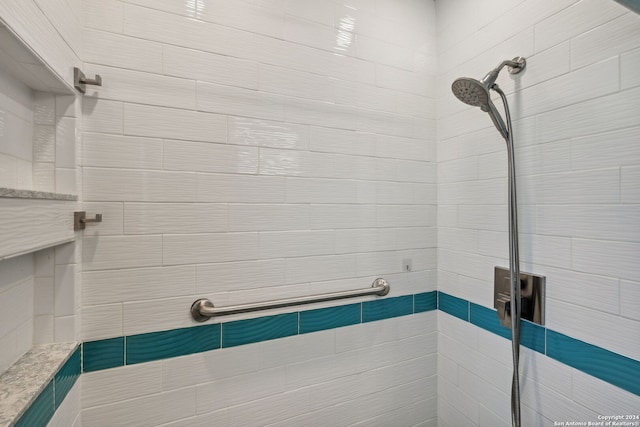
{"x":516,"y":65}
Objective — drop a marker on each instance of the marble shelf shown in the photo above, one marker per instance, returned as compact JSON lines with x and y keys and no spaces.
{"x":23,"y":382}
{"x":12,"y":193}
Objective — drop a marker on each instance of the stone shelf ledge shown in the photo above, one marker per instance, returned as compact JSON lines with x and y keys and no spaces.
{"x":23,"y":382}
{"x":12,"y":193}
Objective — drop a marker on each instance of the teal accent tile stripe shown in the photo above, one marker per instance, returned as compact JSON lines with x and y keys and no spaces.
{"x":387,"y":308}
{"x":633,"y":5}
{"x":66,"y":377}
{"x":532,"y":336}
{"x":109,"y":353}
{"x":265,"y":328}
{"x":40,"y":411}
{"x":177,"y":342}
{"x":330,"y":318}
{"x":454,"y":306}
{"x":611,"y":367}
{"x":425,"y":301}
{"x":487,"y":319}
{"x":102,"y":354}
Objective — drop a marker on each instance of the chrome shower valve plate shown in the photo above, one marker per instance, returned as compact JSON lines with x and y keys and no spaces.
{"x":532,"y":290}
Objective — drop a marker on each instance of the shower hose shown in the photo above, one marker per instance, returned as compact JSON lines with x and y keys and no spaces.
{"x":514,"y":267}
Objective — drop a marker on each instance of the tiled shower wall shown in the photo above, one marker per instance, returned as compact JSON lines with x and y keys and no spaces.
{"x":38,"y":149}
{"x":16,"y":121}
{"x":267,"y":148}
{"x":37,"y":291}
{"x":16,"y":309}
{"x":576,"y":110}
{"x":251,"y":150}
{"x":52,"y":29}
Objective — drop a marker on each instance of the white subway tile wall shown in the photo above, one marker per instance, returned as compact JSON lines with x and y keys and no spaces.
{"x":576,"y":110}
{"x":334,"y":377}
{"x":259,"y":75}
{"x":266,"y":148}
{"x":42,"y":157}
{"x":52,"y":29}
{"x":17,"y":132}
{"x":17,"y":287}
{"x":39,"y":150}
{"x":475,"y":364}
{"x":38,"y":133}
{"x":253,"y":150}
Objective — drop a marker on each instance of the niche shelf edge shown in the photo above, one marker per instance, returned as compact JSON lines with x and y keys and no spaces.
{"x":30,"y":224}
{"x":23,"y":63}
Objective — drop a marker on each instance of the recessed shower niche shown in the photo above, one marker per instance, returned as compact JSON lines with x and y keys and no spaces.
{"x":37,"y":151}
{"x":38,"y":197}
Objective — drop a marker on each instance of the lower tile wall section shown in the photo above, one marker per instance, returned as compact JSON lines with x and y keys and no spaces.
{"x":350,"y":365}
{"x":606,"y":365}
{"x":351,"y":369}
{"x":562,"y":379}
{"x":110,"y":353}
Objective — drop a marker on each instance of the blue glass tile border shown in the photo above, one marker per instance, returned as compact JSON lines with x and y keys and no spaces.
{"x":133,"y":349}
{"x":487,"y":319}
{"x":103,"y":354}
{"x":176,"y":342}
{"x":40,"y":412}
{"x":533,"y":336}
{"x":453,"y":305}
{"x":425,"y":301}
{"x":387,"y":308}
{"x":601,"y":363}
{"x":611,"y":367}
{"x":265,"y":328}
{"x":66,"y":377}
{"x":330,"y":318}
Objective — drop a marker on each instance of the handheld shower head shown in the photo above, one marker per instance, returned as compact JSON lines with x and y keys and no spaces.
{"x":476,"y":93}
{"x":471,"y":91}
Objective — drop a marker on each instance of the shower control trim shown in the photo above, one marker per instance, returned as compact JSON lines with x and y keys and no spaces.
{"x":532,"y":288}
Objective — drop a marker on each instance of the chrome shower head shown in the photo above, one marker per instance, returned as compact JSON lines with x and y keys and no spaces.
{"x":476,"y":93}
{"x":471,"y":92}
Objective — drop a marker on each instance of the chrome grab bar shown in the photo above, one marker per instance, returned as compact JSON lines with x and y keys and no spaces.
{"x":203,"y":308}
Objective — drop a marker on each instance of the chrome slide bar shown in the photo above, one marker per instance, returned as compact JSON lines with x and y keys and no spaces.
{"x":204,"y":309}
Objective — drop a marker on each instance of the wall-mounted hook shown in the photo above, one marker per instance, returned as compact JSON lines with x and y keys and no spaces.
{"x":80,"y":80}
{"x":80,"y":220}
